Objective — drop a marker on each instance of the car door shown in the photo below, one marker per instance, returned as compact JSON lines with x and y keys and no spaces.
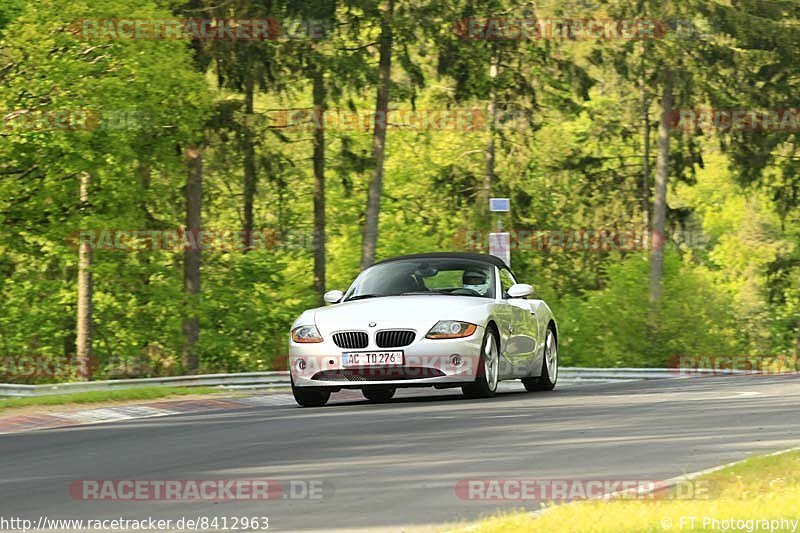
{"x":522,"y":330}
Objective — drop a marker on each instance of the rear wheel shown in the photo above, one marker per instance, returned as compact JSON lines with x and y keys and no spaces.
{"x":549,"y":376}
{"x":485,"y":385}
{"x":378,"y":394}
{"x":310,"y":397}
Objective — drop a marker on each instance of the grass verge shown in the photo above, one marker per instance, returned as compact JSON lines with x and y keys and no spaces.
{"x":762,"y":488}
{"x":132,"y":394}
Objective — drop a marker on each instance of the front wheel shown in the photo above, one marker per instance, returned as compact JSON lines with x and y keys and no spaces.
{"x":485,"y":385}
{"x":549,"y":376}
{"x":309,"y":397}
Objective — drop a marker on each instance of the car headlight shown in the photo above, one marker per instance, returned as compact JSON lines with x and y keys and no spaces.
{"x":451,"y":329}
{"x":306,"y":334}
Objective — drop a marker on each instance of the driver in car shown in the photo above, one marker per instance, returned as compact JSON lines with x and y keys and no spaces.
{"x":476,"y":281}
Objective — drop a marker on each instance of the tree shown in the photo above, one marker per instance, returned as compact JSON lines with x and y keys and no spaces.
{"x":83,"y":335}
{"x":583,"y":153}
{"x":684,"y":62}
{"x":369,"y":242}
{"x":120,"y":110}
{"x":512,"y":77}
{"x":192,"y":255}
{"x":315,"y":57}
{"x":320,"y":106}
{"x":660,"y":196}
{"x":246,"y":66}
{"x":765,"y":159}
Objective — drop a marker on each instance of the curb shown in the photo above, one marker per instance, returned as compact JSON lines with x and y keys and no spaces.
{"x":23,"y":423}
{"x":33,"y":422}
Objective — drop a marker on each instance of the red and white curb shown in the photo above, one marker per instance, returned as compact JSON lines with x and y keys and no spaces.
{"x":20,"y":423}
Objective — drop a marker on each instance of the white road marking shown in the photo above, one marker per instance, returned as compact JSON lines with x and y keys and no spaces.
{"x":742,"y":394}
{"x":666,"y":483}
{"x":268,"y":399}
{"x":114,"y":413}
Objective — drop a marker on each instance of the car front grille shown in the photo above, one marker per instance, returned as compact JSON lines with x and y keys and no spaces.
{"x":394,"y":338}
{"x":351,"y":339}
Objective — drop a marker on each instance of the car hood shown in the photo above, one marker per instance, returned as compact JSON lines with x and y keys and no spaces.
{"x":412,"y":312}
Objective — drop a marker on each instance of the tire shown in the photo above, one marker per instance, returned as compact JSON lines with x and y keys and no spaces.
{"x":378,"y":394}
{"x":546,"y":382}
{"x":310,"y":397}
{"x":485,"y":385}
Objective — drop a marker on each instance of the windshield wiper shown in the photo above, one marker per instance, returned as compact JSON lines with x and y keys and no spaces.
{"x":363,"y":297}
{"x":415,"y":293}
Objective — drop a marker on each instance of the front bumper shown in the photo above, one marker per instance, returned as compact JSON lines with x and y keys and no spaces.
{"x":427,"y":362}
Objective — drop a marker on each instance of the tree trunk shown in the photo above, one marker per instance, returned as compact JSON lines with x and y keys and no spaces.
{"x":83,"y":341}
{"x":489,"y":153}
{"x":645,"y":103}
{"x":192,"y":257}
{"x":144,"y":172}
{"x":249,"y":171}
{"x":319,"y":183}
{"x":660,"y":193}
{"x":370,"y":238}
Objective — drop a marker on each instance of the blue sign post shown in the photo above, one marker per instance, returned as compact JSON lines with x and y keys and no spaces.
{"x":499,"y":205}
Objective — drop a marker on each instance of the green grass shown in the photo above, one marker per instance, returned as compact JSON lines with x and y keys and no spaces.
{"x":142,"y":393}
{"x":760,"y":488}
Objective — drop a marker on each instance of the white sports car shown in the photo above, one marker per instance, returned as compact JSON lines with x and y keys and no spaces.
{"x":428,"y":320}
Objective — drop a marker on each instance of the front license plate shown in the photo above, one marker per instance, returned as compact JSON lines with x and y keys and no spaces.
{"x":372,"y":358}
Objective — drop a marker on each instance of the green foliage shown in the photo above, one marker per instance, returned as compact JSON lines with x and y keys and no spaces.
{"x":617,"y":326}
{"x":144,"y":113}
{"x":249,"y":304}
{"x":9,"y":11}
{"x":574,"y":163}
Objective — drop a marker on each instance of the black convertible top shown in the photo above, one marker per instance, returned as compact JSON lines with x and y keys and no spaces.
{"x":483,"y":258}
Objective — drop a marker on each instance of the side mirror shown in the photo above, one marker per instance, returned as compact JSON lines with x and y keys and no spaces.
{"x":520,"y":290}
{"x":333,"y":297}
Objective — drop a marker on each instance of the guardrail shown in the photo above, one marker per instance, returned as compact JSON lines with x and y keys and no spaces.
{"x":262,"y":379}
{"x":614,"y":374}
{"x":268,"y":380}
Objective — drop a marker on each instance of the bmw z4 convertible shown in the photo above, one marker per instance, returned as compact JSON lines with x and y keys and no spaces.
{"x":427,"y":320}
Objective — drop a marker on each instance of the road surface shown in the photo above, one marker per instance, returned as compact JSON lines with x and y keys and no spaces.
{"x":396,"y":465}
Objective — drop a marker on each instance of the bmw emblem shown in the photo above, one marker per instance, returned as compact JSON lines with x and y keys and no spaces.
{"x":373,"y":324}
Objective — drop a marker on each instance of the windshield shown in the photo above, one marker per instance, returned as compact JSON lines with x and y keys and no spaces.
{"x":456,"y":277}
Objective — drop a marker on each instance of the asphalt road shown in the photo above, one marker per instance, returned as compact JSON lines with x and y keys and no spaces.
{"x":396,"y":465}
